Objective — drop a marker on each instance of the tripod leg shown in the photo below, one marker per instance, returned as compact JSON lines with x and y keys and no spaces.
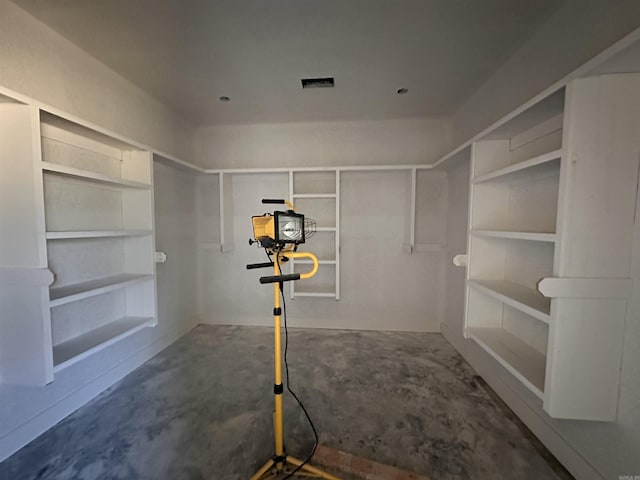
{"x":310,"y":469}
{"x":264,"y":469}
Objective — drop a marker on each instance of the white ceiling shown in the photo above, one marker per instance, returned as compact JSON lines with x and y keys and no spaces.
{"x":188,"y":53}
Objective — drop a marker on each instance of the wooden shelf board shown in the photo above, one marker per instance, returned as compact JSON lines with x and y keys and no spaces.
{"x":521,"y":298}
{"x":548,"y":161}
{"x":79,"y":291}
{"x":315,"y":294}
{"x":96,"y":234}
{"x":71,"y":351}
{"x":314,"y":195}
{"x":72,"y":131}
{"x":534,"y":236}
{"x":547,"y":106}
{"x":523,"y":361}
{"x":92,"y":176}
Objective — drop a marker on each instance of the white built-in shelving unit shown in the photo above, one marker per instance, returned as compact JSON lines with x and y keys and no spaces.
{"x":98,"y":203}
{"x":77,"y":263}
{"x":547,"y":249}
{"x":512,"y":235}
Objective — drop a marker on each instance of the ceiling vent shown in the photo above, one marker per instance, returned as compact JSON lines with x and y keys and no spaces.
{"x":318,"y":82}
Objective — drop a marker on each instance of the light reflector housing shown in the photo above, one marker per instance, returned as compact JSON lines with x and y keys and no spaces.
{"x":282,"y":228}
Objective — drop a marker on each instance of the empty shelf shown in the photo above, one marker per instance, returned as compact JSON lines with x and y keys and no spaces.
{"x":534,"y":236}
{"x":69,"y":352}
{"x":525,"y":299}
{"x":92,"y":176}
{"x":549,"y":161}
{"x":314,"y":195}
{"x":523,"y":361}
{"x":315,"y":294}
{"x":79,"y":291}
{"x":96,"y":234}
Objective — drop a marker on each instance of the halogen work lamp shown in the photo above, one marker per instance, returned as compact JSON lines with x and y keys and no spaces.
{"x":276,"y":231}
{"x":280,"y":234}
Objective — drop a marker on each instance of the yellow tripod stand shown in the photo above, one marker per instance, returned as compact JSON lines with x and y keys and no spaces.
{"x":282,"y":464}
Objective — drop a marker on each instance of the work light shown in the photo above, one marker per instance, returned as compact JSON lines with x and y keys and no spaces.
{"x":279,"y":234}
{"x":281,"y":228}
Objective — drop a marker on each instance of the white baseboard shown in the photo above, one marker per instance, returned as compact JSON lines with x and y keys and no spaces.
{"x":319,"y":323}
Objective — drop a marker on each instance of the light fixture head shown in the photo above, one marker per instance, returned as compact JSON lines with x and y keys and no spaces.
{"x":402,"y":91}
{"x":289,"y":227}
{"x":281,"y":228}
{"x":224,"y":99}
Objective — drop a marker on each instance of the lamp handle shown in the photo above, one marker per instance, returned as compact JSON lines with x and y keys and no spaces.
{"x":280,"y":278}
{"x":311,"y":257}
{"x":278,"y":201}
{"x":251,"y":266}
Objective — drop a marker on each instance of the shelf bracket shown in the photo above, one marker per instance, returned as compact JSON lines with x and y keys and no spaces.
{"x":555,"y":287}
{"x":460,"y":260}
{"x":34,"y":277}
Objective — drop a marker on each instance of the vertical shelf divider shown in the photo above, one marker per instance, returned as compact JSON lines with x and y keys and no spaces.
{"x":292,"y":285}
{"x":337,"y":267}
{"x":226,"y":219}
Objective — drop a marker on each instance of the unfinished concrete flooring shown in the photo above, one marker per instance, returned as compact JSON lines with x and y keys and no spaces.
{"x":201,"y":409}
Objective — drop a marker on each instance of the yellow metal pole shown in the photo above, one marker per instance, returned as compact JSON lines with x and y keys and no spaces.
{"x":277,"y":416}
{"x":311,"y":257}
{"x":279,"y":463}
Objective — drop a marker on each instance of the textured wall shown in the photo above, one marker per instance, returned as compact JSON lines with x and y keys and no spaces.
{"x":402,"y":141}
{"x":382,"y":287}
{"x":38,"y":62}
{"x":457,"y":208}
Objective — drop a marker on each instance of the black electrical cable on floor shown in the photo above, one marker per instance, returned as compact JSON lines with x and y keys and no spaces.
{"x":286,"y":368}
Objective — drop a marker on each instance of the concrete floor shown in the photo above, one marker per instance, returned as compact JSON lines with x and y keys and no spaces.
{"x":201,"y":409}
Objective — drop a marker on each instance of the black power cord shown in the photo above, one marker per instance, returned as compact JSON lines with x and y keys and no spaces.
{"x":286,"y":368}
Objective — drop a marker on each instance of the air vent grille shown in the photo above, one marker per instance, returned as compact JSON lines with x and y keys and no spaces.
{"x":326,"y":82}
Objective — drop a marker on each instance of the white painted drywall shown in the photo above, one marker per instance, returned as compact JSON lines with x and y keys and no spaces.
{"x":457,"y":208}
{"x":573,"y":35}
{"x":374,"y":216}
{"x":38,"y":62}
{"x":399,"y":141}
{"x":382,"y":287}
{"x":175,"y":217}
